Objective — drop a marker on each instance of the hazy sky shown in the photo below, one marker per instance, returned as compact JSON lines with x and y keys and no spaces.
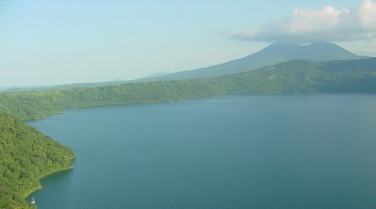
{"x":46,"y":42}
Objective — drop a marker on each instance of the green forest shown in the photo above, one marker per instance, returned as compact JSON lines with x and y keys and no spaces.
{"x":27,"y":155}
{"x":299,"y":76}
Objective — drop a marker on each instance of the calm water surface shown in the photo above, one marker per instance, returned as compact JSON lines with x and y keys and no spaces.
{"x":261,"y":152}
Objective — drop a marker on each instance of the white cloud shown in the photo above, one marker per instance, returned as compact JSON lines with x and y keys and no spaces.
{"x":328,"y":24}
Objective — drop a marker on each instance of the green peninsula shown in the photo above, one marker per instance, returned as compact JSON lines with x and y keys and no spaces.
{"x":26,"y":156}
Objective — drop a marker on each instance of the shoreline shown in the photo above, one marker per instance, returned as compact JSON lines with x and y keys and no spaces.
{"x":47,"y":175}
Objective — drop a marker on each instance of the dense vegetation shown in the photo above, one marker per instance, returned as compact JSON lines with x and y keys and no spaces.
{"x":26,"y":156}
{"x":299,"y":76}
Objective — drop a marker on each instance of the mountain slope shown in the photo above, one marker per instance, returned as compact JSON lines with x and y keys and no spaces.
{"x":271,"y":55}
{"x":25,"y":157}
{"x":298,"y":76}
{"x":301,"y":76}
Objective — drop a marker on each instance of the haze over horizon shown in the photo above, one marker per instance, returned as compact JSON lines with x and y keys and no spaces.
{"x":62,"y":42}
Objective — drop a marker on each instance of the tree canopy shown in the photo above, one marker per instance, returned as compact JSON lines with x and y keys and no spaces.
{"x":26,"y":155}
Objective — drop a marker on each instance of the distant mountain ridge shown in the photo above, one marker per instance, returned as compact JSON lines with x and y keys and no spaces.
{"x":297,"y":76}
{"x":271,"y":55}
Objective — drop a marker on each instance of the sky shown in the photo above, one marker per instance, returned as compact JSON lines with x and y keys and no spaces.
{"x":45,"y":42}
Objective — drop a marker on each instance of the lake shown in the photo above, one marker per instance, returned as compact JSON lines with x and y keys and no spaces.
{"x":292,"y":151}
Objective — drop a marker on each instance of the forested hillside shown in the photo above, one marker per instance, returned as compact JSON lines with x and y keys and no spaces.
{"x":25,"y":157}
{"x":299,"y":76}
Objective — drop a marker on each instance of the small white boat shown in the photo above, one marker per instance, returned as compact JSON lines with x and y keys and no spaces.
{"x":33,"y":201}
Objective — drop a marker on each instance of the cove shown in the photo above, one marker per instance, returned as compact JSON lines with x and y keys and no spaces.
{"x":260,"y":151}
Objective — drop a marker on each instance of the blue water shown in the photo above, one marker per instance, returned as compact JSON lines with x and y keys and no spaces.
{"x":261,"y":152}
